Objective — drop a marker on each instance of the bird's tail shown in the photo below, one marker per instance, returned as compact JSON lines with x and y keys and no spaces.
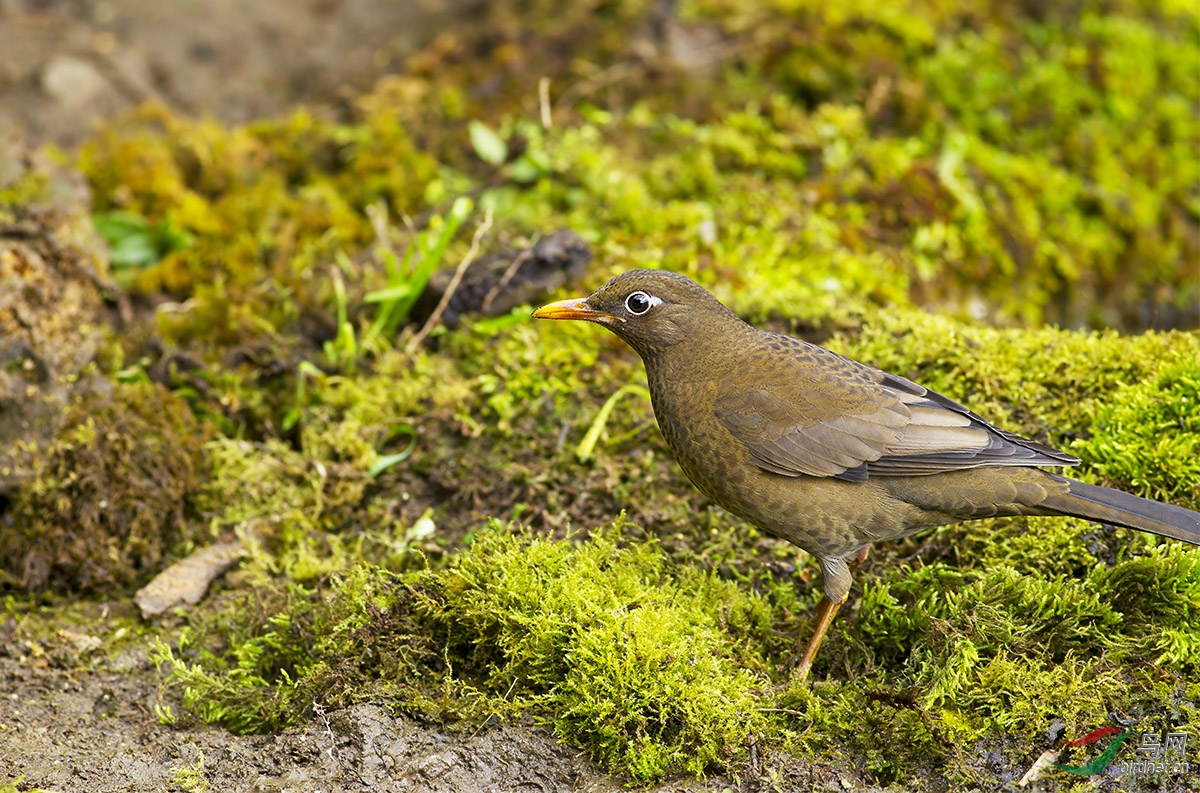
{"x":1106,"y":505}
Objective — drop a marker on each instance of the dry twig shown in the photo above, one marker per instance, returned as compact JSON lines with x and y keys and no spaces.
{"x":544,"y":102}
{"x":517,"y":261}
{"x":377,"y":213}
{"x":461,"y":270}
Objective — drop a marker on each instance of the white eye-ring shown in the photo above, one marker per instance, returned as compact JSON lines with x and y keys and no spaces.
{"x":639,"y":303}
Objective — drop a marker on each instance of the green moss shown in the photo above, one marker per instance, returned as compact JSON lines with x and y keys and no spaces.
{"x":289,"y":503}
{"x":349,"y":418}
{"x":1045,"y":162}
{"x":1160,"y":591}
{"x":28,"y":188}
{"x":996,"y":651}
{"x":112,"y":495}
{"x":191,"y":778}
{"x":944,"y":657}
{"x":1028,"y":163}
{"x":632,"y":658}
{"x":658,"y":668}
{"x":266,"y":204}
{"x":626,"y":655}
{"x":1148,"y":436}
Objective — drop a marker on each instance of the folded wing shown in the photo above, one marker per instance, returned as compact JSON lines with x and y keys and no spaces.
{"x":820,"y":414}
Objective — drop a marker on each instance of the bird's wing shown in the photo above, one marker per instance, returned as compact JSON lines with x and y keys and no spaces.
{"x":817,"y":413}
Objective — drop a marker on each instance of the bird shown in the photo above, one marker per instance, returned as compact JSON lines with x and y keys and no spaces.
{"x":825,"y":452}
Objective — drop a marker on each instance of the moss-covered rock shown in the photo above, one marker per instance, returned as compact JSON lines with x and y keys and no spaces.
{"x":52,"y":276}
{"x":111,"y":495}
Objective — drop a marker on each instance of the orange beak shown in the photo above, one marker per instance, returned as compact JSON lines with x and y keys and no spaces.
{"x":574,"y":308}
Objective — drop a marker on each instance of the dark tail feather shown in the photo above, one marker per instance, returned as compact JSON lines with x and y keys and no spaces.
{"x":1122,"y":509}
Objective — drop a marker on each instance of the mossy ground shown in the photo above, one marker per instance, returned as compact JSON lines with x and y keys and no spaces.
{"x":839,"y":172}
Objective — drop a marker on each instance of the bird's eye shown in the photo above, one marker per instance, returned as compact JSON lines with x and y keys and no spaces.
{"x":639,"y":303}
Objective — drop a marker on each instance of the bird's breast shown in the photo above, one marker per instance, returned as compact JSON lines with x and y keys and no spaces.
{"x":824,"y":516}
{"x":716,"y":463}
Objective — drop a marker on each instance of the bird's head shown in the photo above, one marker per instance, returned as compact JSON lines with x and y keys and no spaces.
{"x":651,"y":310}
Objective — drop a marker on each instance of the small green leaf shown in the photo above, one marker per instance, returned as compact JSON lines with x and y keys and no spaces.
{"x":525,"y":170}
{"x":493,"y":325}
{"x":391,"y":293}
{"x":135,"y":250}
{"x":381,"y":464}
{"x":459,"y":210}
{"x":587,"y":446}
{"x":488,"y":145}
{"x":134,"y":242}
{"x":132,"y":374}
{"x":384,"y":462}
{"x":115,"y":225}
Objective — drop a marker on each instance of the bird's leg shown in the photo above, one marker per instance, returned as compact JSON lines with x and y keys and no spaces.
{"x":826,"y":610}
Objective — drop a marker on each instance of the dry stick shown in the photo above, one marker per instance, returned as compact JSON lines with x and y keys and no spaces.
{"x":377,"y":213}
{"x":602,"y":79}
{"x":436,"y":316}
{"x":517,"y":261}
{"x":544,"y":102}
{"x":879,"y":92}
{"x":413,"y":240}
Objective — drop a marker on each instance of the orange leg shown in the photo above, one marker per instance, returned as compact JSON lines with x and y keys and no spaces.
{"x":826,"y":611}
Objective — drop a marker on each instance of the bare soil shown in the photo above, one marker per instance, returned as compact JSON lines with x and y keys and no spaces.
{"x":96,"y":730}
{"x":66,"y":64}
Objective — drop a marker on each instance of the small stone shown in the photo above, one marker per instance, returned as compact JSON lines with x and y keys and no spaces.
{"x":73,"y":82}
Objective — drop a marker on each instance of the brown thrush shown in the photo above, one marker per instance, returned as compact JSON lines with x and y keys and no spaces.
{"x":825,"y":452}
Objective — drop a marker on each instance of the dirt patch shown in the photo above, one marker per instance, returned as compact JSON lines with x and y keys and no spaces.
{"x":64,"y":64}
{"x":97,"y":731}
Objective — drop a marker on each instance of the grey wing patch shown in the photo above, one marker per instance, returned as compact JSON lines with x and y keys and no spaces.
{"x":946,"y":436}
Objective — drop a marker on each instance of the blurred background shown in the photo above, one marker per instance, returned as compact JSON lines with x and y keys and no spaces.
{"x":63,"y":65}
